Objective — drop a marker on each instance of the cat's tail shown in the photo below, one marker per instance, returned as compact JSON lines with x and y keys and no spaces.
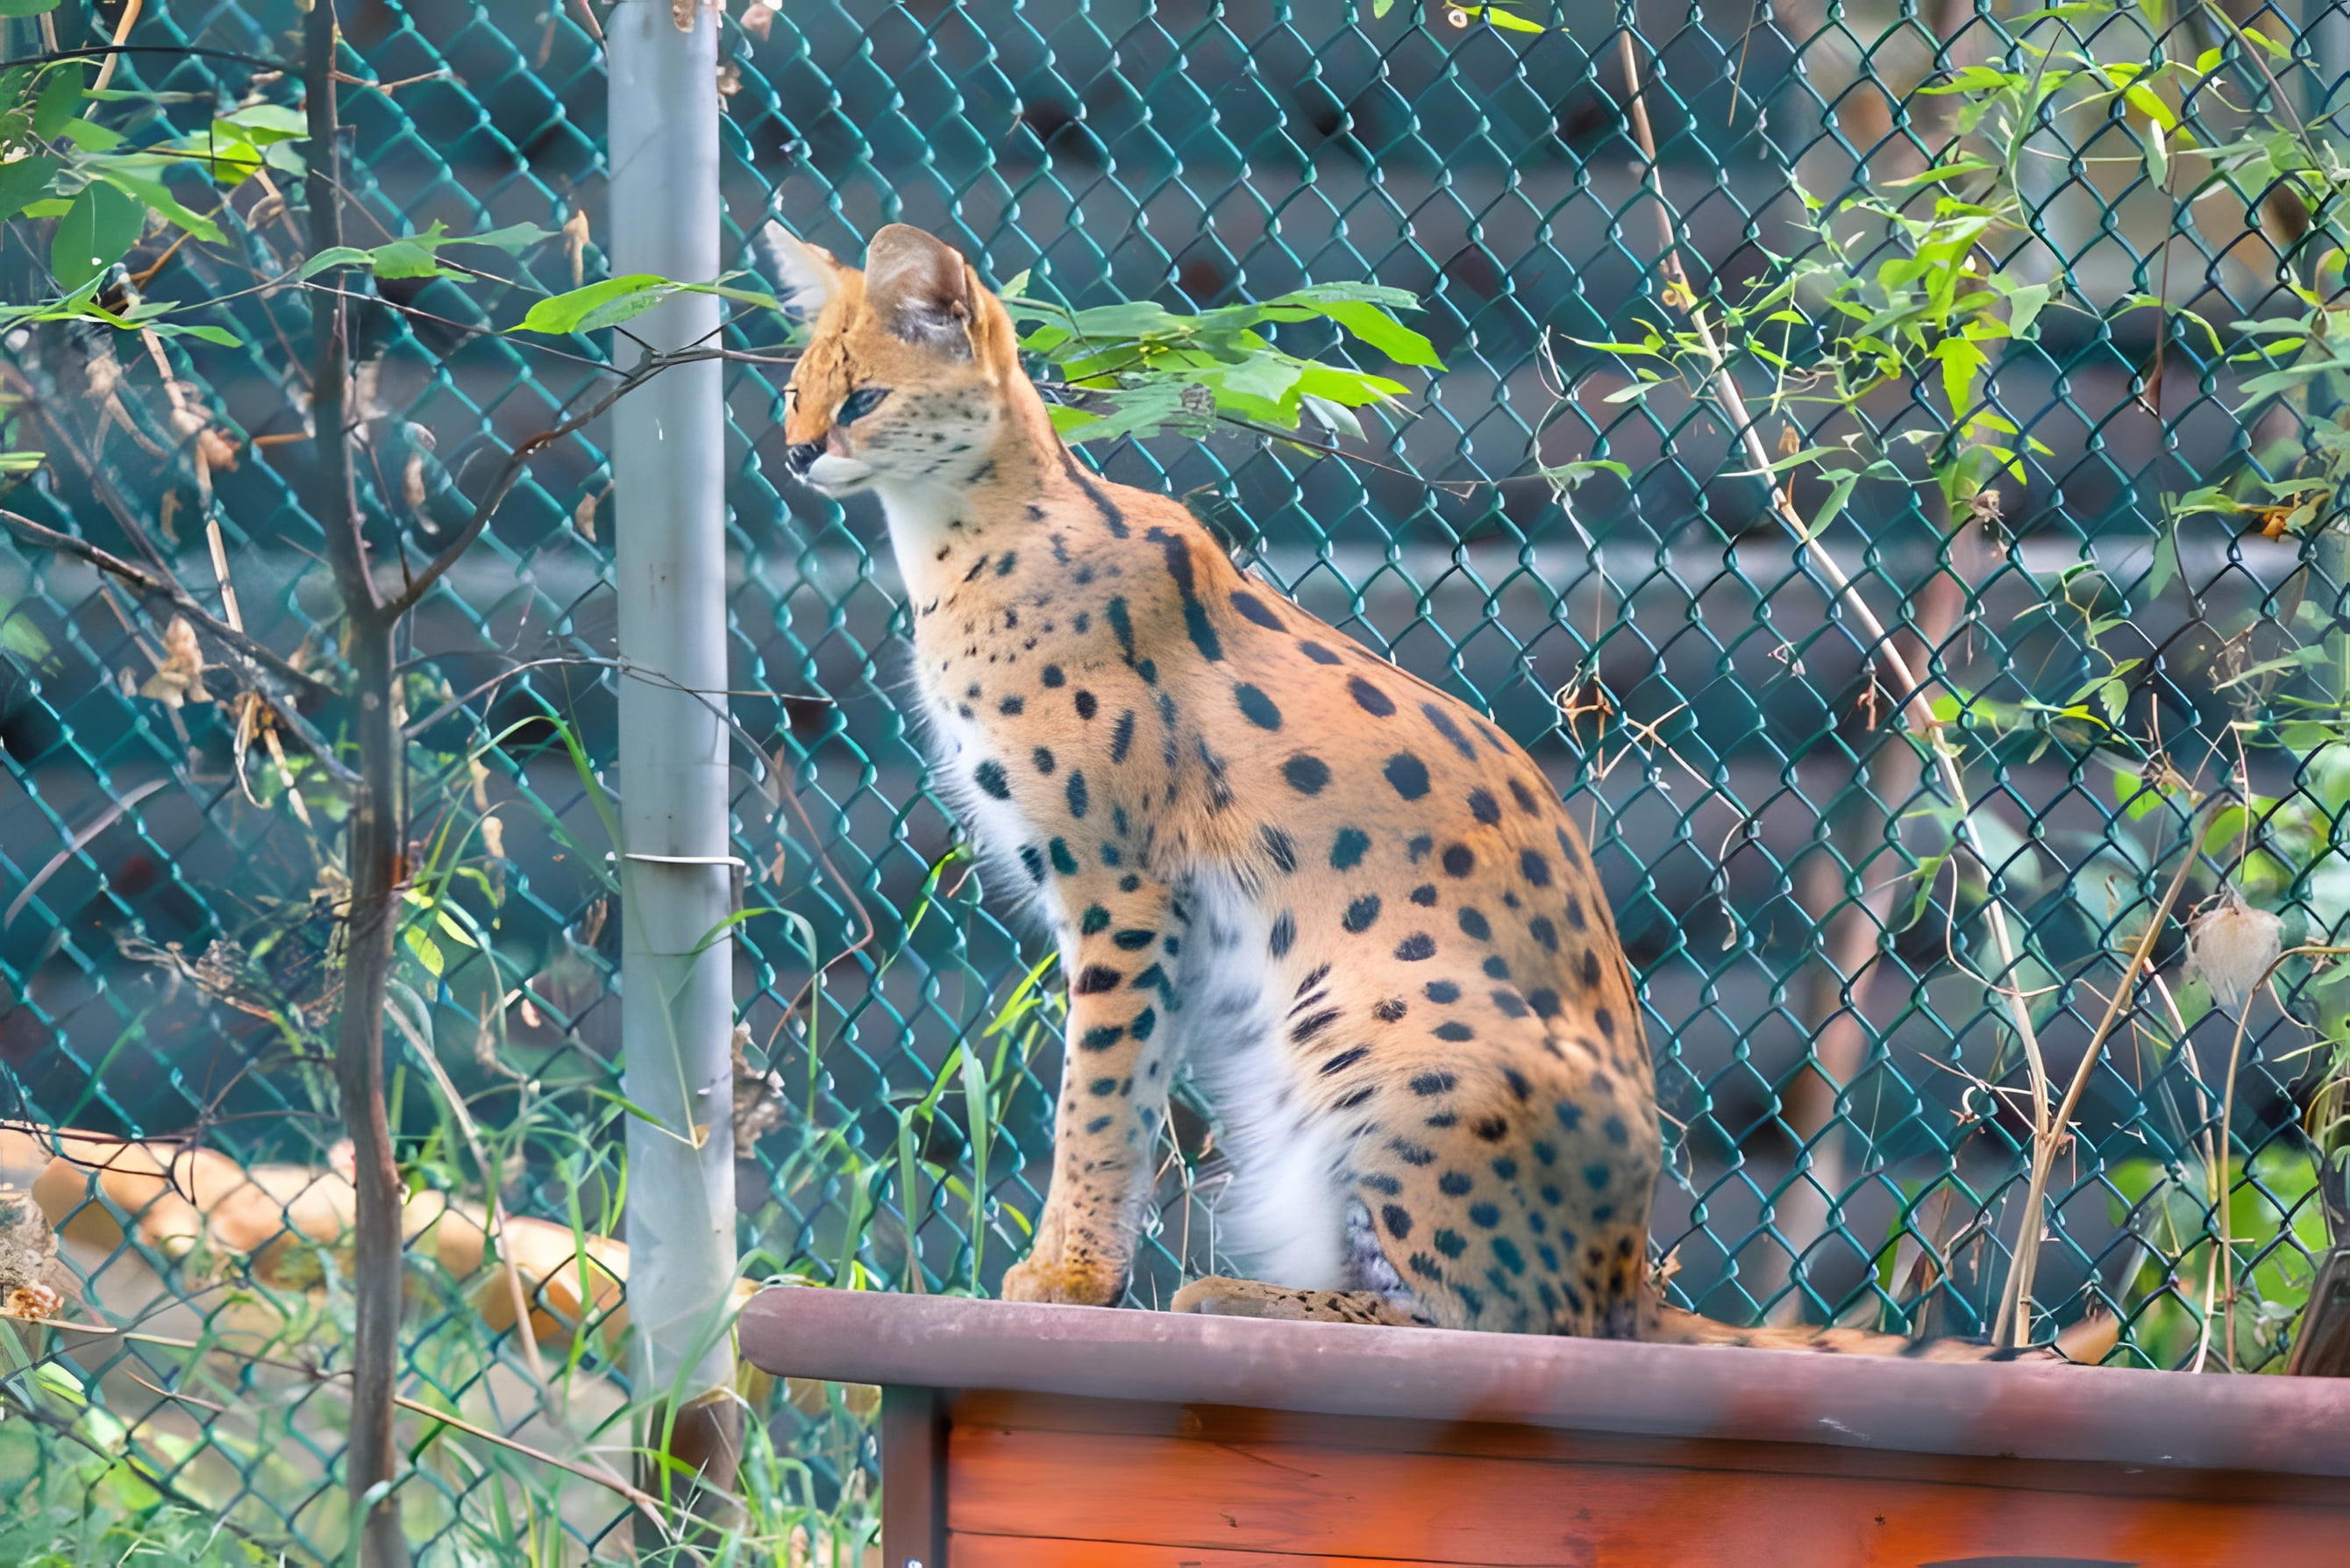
{"x":2085,"y":1342}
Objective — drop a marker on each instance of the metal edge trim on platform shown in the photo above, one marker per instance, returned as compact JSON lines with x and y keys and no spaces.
{"x":2028,"y":1411}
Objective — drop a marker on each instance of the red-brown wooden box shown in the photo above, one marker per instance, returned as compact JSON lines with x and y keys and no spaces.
{"x":1036,"y":1437}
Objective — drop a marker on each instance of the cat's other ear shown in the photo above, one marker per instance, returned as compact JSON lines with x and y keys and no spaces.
{"x":921,"y":289}
{"x":805,"y":276}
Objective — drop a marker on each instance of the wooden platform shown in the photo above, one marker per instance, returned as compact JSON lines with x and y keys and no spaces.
{"x":1033,"y":1437}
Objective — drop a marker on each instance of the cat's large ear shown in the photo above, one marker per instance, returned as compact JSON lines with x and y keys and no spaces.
{"x":805,"y":275}
{"x":921,"y":289}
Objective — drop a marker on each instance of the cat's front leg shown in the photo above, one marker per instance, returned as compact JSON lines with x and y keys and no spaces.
{"x":1114,"y":1070}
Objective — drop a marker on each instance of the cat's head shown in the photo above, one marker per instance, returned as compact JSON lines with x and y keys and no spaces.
{"x":908,"y":369}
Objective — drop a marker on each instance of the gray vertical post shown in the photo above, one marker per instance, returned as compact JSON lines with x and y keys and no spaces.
{"x":667,"y":448}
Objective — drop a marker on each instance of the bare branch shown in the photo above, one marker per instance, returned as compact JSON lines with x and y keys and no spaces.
{"x":517,"y":461}
{"x":273,"y":675}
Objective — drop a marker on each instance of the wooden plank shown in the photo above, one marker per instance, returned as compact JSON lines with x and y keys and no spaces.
{"x":914,"y":1462}
{"x":1246,"y":1427}
{"x":1037,"y":1552}
{"x":1309,"y":1500}
{"x":2157,"y":1420}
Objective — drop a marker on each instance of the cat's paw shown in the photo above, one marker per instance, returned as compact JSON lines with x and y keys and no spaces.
{"x":1039,"y":1278}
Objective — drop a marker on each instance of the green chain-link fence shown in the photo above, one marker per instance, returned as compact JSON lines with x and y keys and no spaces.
{"x":1844,"y":1102}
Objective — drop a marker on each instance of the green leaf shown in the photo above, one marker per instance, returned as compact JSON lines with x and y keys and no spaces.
{"x":340,"y":255}
{"x":427,"y":953}
{"x":266,"y":123}
{"x":513,"y":239}
{"x":91,"y":136}
{"x":157,"y":195}
{"x":100,"y":226}
{"x":1382,"y":332}
{"x":23,"y":180}
{"x":61,"y":100}
{"x":1494,"y":17}
{"x":600,"y":304}
{"x":411,"y":258}
{"x":27,"y":8}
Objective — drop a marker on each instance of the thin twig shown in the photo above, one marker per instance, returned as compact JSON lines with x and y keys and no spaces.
{"x":277,"y":679}
{"x":400,"y":604}
{"x":2219,"y":1182}
{"x":636,"y":1497}
{"x":1916,"y":706}
{"x":2014,"y":1303}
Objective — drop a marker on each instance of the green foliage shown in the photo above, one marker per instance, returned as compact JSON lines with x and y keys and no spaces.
{"x":1138,"y":369}
{"x":2274,"y":1227}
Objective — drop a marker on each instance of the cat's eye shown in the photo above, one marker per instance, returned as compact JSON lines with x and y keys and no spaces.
{"x":860,"y":403}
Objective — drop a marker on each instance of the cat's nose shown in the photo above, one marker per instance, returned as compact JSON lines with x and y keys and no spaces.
{"x":801,"y":458}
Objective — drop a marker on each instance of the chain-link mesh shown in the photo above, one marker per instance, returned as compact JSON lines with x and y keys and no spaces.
{"x":1846,"y":1105}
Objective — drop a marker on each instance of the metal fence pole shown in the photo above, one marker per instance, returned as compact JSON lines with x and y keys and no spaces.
{"x":669,"y":492}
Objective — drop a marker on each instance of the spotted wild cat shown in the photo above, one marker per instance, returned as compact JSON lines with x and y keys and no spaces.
{"x":1351,"y":906}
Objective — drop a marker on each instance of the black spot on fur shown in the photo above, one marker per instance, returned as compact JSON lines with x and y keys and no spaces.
{"x":1122,"y":626}
{"x":1525,"y":798}
{"x":1390,"y":1010}
{"x":1418,"y":945}
{"x":1449,"y":730}
{"x":1317,"y":653}
{"x":1361,"y":913}
{"x":1203,"y":631}
{"x":1345,"y":1059}
{"x":1086,"y":706}
{"x":1063,"y":861}
{"x":1442,"y":992}
{"x":989,"y":778}
{"x":1590,"y":966}
{"x":1041,"y":757}
{"x":1112,"y":518}
{"x":1424,"y":895}
{"x":1407,"y":775}
{"x":1543,"y":1001}
{"x":1308,"y":1027}
{"x":1491,"y":1129}
{"x":1454,"y":1032}
{"x":1370,"y":698}
{"x":1280,"y":845}
{"x":1606,"y":1021}
{"x":1079,"y":799}
{"x":1347,"y":848}
{"x":1484,"y":807}
{"x":1122,"y":739}
{"x":1096,"y":979}
{"x":1511,"y":1003}
{"x":1455,"y":1183}
{"x":1458,"y":861}
{"x":1397,"y":1218}
{"x":1283,"y":934}
{"x":1533,"y":867}
{"x":1253,"y":608}
{"x":1475,"y":924}
{"x":1543,"y":932}
{"x":1257,"y":708}
{"x":1305,"y":774}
